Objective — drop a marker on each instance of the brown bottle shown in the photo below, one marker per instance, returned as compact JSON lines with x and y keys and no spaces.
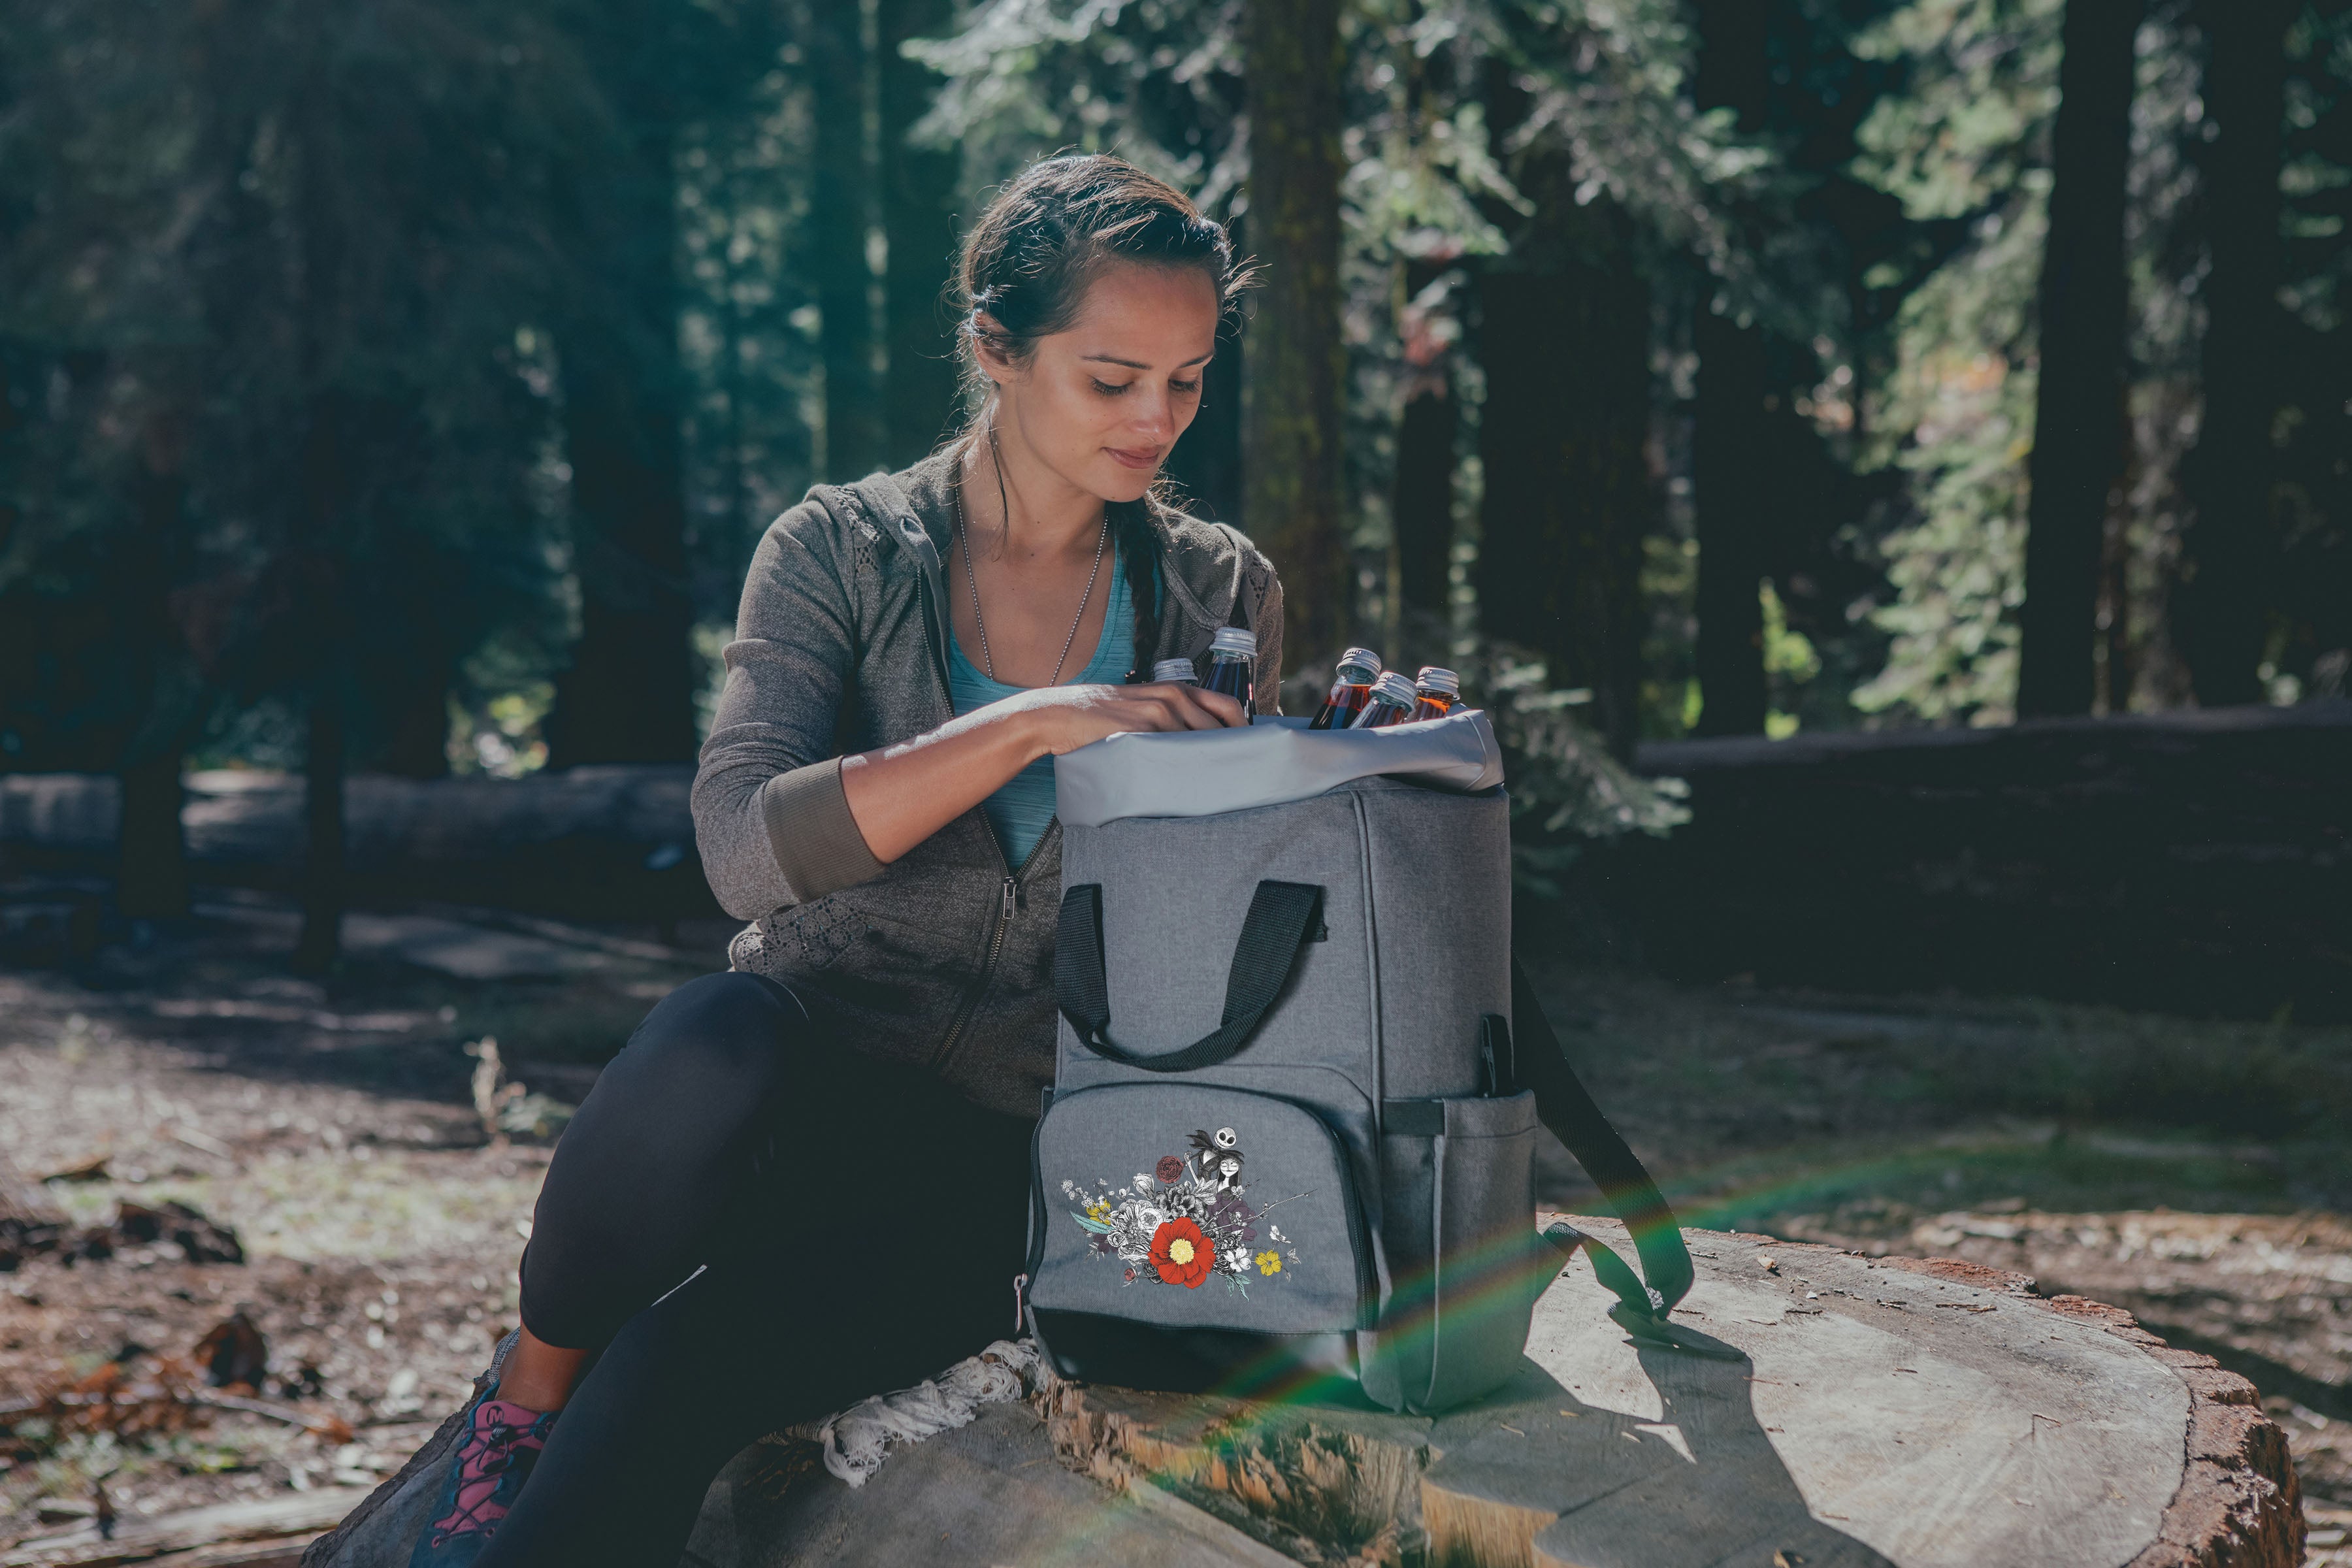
{"x":1351,"y":688}
{"x":1439,"y":692}
{"x":1393,"y":703}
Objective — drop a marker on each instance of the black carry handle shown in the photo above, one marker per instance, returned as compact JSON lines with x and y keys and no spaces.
{"x":1569,"y":1111}
{"x":1280,"y":923}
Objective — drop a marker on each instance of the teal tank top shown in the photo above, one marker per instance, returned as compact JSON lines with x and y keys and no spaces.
{"x":1021,"y":809}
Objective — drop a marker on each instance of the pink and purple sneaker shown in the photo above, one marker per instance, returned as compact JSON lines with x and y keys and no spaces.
{"x":502,"y":1443}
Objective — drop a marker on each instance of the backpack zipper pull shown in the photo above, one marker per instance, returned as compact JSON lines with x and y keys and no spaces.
{"x":1020,"y":1315}
{"x":1011,"y":892}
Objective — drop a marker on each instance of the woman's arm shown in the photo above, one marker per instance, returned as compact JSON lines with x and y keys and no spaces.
{"x":768,"y":816}
{"x":902,"y":793}
{"x":780,"y":819}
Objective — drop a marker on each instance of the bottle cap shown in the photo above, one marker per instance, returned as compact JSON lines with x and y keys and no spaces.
{"x":1175,"y":669}
{"x":1433,"y":679}
{"x":1394,"y":688}
{"x":1234,"y":639}
{"x":1361,"y":660}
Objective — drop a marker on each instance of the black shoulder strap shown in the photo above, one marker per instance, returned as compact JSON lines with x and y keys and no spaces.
{"x":1569,"y":1112}
{"x":1280,"y":923}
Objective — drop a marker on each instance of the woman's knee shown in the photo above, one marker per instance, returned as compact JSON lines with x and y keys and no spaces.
{"x":729,"y":1032}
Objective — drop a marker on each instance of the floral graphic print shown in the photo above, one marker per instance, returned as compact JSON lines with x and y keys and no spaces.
{"x":1187,"y":1221}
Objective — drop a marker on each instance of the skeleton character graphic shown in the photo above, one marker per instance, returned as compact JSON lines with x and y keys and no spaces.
{"x":1219,"y":1157}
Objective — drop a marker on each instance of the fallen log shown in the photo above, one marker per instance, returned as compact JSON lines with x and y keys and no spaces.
{"x":262,"y":1534}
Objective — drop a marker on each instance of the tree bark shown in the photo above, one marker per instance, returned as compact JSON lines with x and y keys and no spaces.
{"x":2079,"y":424}
{"x":919,"y":225}
{"x":1731,"y":442}
{"x":151,"y":875}
{"x":841,"y":217}
{"x":629,"y":694}
{"x":2221,"y":617}
{"x":323,"y":856}
{"x":1731,"y":459}
{"x":1568,"y":496}
{"x":416,"y":744}
{"x":1422,"y":506}
{"x":324,"y":487}
{"x":1207,"y":463}
{"x":1292,"y":477}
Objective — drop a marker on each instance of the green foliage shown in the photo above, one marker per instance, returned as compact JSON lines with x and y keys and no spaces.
{"x":1965,"y":146}
{"x":1566,"y":790}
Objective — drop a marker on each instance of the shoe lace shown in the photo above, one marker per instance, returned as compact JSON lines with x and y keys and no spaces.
{"x":488,"y":1453}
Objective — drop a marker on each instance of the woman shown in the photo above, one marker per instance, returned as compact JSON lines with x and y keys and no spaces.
{"x":805,"y":1180}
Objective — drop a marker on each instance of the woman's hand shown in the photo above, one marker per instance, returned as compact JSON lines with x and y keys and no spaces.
{"x":1068,"y":717}
{"x":904,"y":793}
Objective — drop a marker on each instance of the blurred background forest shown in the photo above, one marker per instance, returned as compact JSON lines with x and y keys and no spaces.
{"x":400,"y":385}
{"x":1885,"y":465}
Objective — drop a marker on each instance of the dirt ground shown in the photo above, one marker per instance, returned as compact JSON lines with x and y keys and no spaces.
{"x":2198,"y":1174}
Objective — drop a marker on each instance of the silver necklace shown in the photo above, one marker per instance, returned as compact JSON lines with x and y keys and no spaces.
{"x":980,"y":622}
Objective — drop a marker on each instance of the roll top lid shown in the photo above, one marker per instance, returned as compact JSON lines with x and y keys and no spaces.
{"x":1359,"y":666}
{"x":1394,"y":688}
{"x":1433,"y":679}
{"x":1175,"y":669}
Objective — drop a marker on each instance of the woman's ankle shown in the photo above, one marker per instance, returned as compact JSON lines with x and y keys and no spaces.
{"x":537,"y":1375}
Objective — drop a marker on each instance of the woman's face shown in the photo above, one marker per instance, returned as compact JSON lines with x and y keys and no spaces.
{"x":1101,"y":403}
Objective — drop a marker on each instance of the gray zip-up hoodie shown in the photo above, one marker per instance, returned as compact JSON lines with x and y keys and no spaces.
{"x":945,"y":956}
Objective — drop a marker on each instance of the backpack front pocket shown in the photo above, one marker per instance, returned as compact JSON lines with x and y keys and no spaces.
{"x":1193,"y":1237}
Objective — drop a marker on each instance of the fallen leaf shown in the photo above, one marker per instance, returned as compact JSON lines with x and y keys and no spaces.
{"x":235,"y":1353}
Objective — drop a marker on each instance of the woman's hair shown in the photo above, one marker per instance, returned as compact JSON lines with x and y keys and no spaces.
{"x":1024,"y":274}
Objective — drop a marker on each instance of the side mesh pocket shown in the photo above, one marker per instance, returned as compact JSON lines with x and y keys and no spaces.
{"x":1459,"y":1226}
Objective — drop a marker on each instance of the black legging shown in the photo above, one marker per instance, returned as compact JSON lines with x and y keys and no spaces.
{"x":758,"y":1226}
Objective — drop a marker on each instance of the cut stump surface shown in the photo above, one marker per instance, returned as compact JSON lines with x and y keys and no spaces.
{"x":1887,"y":1411}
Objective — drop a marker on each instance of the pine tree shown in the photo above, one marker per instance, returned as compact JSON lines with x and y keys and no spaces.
{"x":2079,"y":415}
{"x":1294,"y":65}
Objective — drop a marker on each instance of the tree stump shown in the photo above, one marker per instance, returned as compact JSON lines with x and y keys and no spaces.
{"x":1885,"y":1411}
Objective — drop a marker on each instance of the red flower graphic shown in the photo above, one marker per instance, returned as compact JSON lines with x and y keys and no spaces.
{"x":1182,"y":1254}
{"x":1169,"y":1169}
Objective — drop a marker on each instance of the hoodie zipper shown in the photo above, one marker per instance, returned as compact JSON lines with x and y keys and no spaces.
{"x":1007,"y":905}
{"x":1009,"y":890}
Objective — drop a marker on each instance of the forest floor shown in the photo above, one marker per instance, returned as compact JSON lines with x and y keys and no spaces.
{"x":2199,"y":1174}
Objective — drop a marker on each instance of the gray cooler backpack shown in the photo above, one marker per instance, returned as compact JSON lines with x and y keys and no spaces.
{"x":1289,"y":1147}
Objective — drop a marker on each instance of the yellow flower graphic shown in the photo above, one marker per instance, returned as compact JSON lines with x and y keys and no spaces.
{"x":1269,"y":1263}
{"x":1099,"y":1213}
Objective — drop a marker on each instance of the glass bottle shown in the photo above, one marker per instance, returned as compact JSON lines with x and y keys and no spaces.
{"x":1393,"y":703}
{"x":1232,"y":666}
{"x":1177,"y":669}
{"x":1440,"y":691}
{"x":1351,"y":688}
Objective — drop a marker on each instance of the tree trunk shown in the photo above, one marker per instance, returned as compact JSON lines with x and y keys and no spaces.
{"x":1569,"y":498}
{"x":1423,"y":504}
{"x":2221,"y":614}
{"x":417,"y":746}
{"x":322,"y":811}
{"x":1730,"y":443}
{"x":1292,"y":477}
{"x":629,"y":694}
{"x":325,"y":485}
{"x":150,"y":879}
{"x":1731,"y":459}
{"x":919,"y":223}
{"x":2079,"y":425}
{"x":1207,"y":463}
{"x":841,"y":217}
